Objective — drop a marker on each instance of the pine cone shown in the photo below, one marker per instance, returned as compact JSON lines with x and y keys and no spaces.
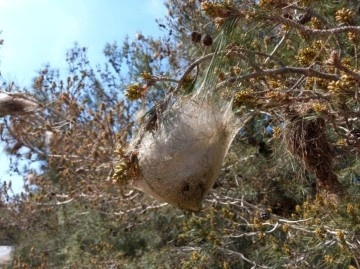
{"x":206,"y":40}
{"x":195,"y":37}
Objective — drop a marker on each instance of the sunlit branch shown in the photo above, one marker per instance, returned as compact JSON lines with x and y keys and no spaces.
{"x":191,"y":67}
{"x":336,"y":62}
{"x":56,"y":203}
{"x":315,"y":32}
{"x":272,"y":72}
{"x":231,"y":252}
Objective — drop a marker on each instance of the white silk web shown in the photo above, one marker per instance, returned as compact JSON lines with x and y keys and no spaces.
{"x":179,"y":158}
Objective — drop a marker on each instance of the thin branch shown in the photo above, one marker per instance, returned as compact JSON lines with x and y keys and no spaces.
{"x":242,"y":257}
{"x":315,"y":32}
{"x":56,"y":203}
{"x":209,"y":57}
{"x":143,"y":209}
{"x":22,"y":140}
{"x":272,"y":72}
{"x":336,"y":62}
{"x":273,"y":229}
{"x":294,"y":221}
{"x":337,"y":30}
{"x":153,"y":79}
{"x":277,"y":46}
{"x":191,"y":67}
{"x":268,"y":56}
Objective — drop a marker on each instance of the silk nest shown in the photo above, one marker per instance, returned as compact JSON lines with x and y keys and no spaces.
{"x":180,"y":149}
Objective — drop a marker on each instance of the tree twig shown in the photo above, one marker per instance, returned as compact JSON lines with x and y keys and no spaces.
{"x":255,"y":265}
{"x":191,"y":67}
{"x":272,"y":72}
{"x":315,"y":32}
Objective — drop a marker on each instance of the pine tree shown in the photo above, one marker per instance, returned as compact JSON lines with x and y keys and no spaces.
{"x":286,"y":196}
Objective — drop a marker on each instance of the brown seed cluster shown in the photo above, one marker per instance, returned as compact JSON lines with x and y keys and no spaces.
{"x":215,"y":10}
{"x":273,"y":3}
{"x":244,"y":96}
{"x":346,"y":83}
{"x":307,"y":56}
{"x":135,"y":91}
{"x":345,"y":16}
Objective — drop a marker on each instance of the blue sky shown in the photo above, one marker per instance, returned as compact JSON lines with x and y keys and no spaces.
{"x":37,"y":32}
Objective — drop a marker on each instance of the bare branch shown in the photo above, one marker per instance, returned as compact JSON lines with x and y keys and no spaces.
{"x":336,"y":62}
{"x":315,"y":32}
{"x":228,"y":251}
{"x":272,"y":72}
{"x":191,"y":67}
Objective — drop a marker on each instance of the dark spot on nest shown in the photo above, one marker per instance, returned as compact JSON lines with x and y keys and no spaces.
{"x":12,"y":106}
{"x":201,"y":187}
{"x":186,"y":188}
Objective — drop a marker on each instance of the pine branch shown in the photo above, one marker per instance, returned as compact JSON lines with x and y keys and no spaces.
{"x":281,"y":71}
{"x":190,"y":68}
{"x":315,"y":32}
{"x":241,"y":256}
{"x":336,"y":62}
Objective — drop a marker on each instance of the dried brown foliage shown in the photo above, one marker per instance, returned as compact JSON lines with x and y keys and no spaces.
{"x":308,"y":141}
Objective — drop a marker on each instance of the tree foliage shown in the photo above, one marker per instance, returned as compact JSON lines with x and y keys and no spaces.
{"x":288,"y":194}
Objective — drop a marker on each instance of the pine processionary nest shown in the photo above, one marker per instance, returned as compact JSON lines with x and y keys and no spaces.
{"x":180,"y":156}
{"x":16,"y":104}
